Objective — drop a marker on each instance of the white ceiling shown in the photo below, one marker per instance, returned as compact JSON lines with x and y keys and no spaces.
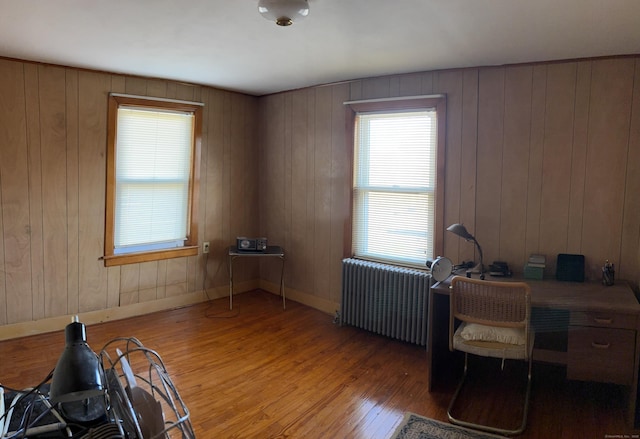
{"x":227,"y":44}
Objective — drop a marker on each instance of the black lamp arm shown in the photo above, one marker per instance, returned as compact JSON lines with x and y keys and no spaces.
{"x":481,"y":258}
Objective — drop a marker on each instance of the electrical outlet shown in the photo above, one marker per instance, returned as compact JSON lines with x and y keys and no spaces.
{"x":205,"y":247}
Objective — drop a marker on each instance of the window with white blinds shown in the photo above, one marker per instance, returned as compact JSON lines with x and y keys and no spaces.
{"x":153,"y":150}
{"x":153,"y":168}
{"x":394,"y":190}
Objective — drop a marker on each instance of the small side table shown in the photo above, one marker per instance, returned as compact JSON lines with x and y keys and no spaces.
{"x":273,"y":251}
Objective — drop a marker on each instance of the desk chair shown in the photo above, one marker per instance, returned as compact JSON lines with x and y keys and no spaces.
{"x":495,"y":322}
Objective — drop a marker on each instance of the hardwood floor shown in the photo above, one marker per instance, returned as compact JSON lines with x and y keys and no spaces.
{"x":260,"y":372}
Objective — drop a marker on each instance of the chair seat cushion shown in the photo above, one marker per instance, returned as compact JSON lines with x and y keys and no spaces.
{"x":476,"y":331}
{"x":492,"y":348}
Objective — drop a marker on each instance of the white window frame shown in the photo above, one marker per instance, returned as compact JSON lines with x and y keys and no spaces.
{"x":151,"y":253}
{"x":436,"y":103}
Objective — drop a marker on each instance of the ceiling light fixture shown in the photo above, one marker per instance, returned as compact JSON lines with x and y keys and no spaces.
{"x":283,"y":12}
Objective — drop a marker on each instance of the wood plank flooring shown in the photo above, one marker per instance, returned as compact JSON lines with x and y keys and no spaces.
{"x":260,"y":372}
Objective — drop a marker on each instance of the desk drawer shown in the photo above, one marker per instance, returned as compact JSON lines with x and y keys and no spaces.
{"x":603,"y":319}
{"x":601,"y":354}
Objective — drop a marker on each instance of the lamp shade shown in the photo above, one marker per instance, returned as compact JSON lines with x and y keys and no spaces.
{"x":78,"y":373}
{"x":283,"y":12}
{"x":460,"y":230}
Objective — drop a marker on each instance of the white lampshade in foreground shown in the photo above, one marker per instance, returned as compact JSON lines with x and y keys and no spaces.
{"x":284,"y":12}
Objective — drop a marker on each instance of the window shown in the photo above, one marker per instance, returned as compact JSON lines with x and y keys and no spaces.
{"x":152,"y":179}
{"x":397,"y":185}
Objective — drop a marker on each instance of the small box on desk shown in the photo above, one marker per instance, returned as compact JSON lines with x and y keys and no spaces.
{"x":531,"y":272}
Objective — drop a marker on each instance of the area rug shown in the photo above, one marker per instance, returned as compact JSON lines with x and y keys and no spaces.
{"x":418,"y":427}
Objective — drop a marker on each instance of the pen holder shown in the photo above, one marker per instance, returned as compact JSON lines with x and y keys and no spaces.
{"x":608,"y":274}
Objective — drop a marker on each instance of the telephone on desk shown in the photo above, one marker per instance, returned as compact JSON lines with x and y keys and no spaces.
{"x":499,"y":269}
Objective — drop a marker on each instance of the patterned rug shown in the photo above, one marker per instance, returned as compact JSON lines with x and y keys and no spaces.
{"x":417,"y":427}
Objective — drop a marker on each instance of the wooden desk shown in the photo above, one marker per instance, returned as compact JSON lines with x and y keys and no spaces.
{"x":587,"y":327}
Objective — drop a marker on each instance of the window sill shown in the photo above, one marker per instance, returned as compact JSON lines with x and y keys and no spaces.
{"x":134,"y":258}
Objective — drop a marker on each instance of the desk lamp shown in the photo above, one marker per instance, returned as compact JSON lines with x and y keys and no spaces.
{"x":461,"y":231}
{"x":77,"y":383}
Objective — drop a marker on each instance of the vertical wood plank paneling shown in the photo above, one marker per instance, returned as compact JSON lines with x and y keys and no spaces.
{"x":136,"y":86}
{"x":556,"y":162}
{"x":157,"y":88}
{"x":537,"y":142}
{"x":272,"y":175}
{"x":341,"y":153}
{"x":118,"y":84}
{"x":187,"y":92}
{"x":310,"y":166}
{"x":176,"y":280}
{"x":468,"y":170}
{"x":322,"y":192}
{"x":579,"y":156}
{"x":534,"y":184}
{"x":249,"y":169}
{"x":73,"y":257}
{"x":373,"y":88}
{"x":355,"y":90}
{"x":129,"y":284}
{"x":14,"y":172}
{"x":229,"y":188}
{"x":489,"y":161}
{"x":54,"y":190}
{"x":630,"y":251}
{"x":284,"y":233}
{"x":161,"y":290}
{"x":410,"y":85}
{"x":32,"y":90}
{"x":148,"y":281}
{"x":238,"y":206}
{"x":427,"y":83}
{"x":249,"y":144}
{"x":451,"y":83}
{"x":394,"y":86}
{"x":213,"y":208}
{"x":607,"y":152}
{"x":113,"y":284}
{"x":281,"y":234}
{"x":517,"y":133}
{"x":298,"y":248}
{"x":93,"y":91}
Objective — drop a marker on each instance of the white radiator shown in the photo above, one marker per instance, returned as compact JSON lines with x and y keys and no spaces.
{"x":384,"y":299}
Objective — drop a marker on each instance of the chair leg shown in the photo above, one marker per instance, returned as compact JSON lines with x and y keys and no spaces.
{"x":489,"y":428}
{"x":457,"y":392}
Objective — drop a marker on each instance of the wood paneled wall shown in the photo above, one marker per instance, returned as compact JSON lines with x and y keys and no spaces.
{"x":52,"y":194}
{"x":540,"y":158}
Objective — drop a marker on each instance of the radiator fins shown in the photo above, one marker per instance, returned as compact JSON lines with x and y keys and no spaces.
{"x":387,"y":300}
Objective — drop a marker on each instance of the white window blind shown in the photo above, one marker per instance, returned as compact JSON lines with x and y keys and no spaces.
{"x":394,"y":186}
{"x":152,"y":177}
